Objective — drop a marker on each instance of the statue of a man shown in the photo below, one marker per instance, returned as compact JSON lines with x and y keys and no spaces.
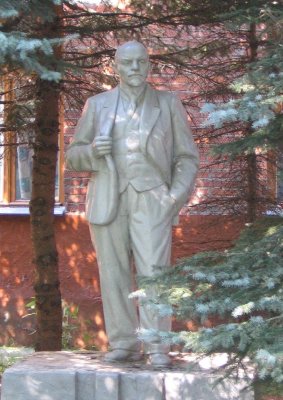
{"x":137,"y":143}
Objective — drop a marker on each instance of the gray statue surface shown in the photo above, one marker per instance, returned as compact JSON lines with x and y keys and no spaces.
{"x":137,"y":143}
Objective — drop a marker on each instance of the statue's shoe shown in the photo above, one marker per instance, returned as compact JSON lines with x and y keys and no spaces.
{"x":159,"y":360}
{"x":122,"y":355}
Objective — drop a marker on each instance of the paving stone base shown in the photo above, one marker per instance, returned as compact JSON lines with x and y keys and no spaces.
{"x":85,"y":376}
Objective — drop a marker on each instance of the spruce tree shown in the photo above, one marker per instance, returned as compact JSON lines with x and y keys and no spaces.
{"x":30,"y":58}
{"x":220,"y":47}
{"x":256,"y":106}
{"x":22,"y":48}
{"x":239,"y":291}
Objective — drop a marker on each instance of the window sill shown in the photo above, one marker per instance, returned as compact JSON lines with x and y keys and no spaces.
{"x":24,"y":210}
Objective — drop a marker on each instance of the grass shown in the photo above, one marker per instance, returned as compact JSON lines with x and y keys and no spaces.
{"x":11,"y":355}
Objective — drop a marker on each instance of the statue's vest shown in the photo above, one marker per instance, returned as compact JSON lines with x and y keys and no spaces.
{"x":131,"y":164}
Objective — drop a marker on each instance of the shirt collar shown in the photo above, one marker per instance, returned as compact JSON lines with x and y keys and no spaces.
{"x":128,"y":97}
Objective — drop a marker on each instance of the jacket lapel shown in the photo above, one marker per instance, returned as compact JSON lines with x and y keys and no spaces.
{"x":108,"y":112}
{"x":149,"y":115}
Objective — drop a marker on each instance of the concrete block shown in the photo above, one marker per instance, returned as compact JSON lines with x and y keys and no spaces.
{"x":150,"y":386}
{"x":128,"y":388}
{"x":35,"y":385}
{"x":106,"y":386}
{"x":141,"y":386}
{"x":201,"y":386}
{"x":86,"y":376}
{"x":85,"y":385}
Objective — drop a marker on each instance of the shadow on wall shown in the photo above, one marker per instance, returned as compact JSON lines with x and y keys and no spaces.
{"x":78,"y":276}
{"x":80,"y":281}
{"x":79,"y":273}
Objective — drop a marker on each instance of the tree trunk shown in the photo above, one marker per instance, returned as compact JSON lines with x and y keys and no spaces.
{"x":46,"y":281}
{"x":252,"y":164}
{"x":252,"y":184}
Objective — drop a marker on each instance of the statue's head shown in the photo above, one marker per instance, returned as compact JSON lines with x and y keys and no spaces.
{"x":132,"y":63}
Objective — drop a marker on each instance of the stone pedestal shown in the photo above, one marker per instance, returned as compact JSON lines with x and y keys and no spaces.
{"x":85,"y":376}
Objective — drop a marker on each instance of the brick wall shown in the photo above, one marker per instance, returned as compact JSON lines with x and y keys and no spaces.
{"x":79,"y":272}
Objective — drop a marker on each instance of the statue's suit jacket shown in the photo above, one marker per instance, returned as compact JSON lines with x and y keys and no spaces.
{"x":165,"y":140}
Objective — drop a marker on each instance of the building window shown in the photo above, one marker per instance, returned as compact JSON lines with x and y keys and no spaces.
{"x":23,"y":172}
{"x":16,"y":174}
{"x":16,"y":158}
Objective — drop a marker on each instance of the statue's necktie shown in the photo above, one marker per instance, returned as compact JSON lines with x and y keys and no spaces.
{"x":131,"y":108}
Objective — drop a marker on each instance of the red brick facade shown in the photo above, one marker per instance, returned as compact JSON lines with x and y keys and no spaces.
{"x":79,"y":272}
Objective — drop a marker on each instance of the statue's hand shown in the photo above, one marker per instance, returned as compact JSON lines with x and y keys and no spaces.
{"x":102,"y":145}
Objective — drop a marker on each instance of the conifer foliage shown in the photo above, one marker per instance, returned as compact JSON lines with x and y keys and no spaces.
{"x":259,"y":92}
{"x":20,"y":47}
{"x":256,"y":108}
{"x":239,"y":291}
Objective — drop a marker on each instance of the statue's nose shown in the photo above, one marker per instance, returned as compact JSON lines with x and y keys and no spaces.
{"x":135,"y":65}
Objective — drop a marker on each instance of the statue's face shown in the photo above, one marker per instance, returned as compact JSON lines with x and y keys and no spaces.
{"x":132,"y":65}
